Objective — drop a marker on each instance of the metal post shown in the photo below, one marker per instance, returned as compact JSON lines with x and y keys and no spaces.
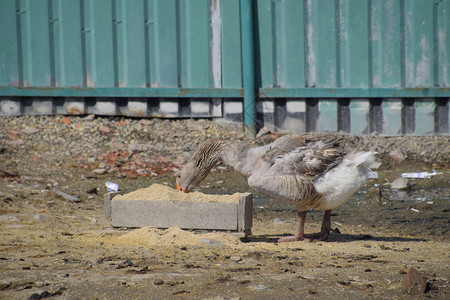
{"x":248,"y":66}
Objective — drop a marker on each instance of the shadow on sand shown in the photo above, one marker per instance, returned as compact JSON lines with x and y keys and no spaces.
{"x":335,"y":237}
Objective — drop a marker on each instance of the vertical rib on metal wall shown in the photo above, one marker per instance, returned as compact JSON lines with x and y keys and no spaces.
{"x":385,"y":33}
{"x":97,"y":38}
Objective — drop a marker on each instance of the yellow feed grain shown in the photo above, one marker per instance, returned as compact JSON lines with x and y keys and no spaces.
{"x":161,"y":192}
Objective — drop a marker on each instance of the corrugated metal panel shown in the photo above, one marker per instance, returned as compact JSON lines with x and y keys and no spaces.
{"x":385,"y":33}
{"x":116,"y":43}
{"x":354,"y":43}
{"x":98,"y":54}
{"x":320,"y":58}
{"x":361,"y":46}
{"x":151,"y":43}
{"x":353,"y":65}
{"x":281,"y":56}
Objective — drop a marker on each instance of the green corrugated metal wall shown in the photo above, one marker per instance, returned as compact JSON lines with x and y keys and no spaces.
{"x":354,"y":43}
{"x":353,"y":65}
{"x":115,"y":43}
{"x":309,"y":47}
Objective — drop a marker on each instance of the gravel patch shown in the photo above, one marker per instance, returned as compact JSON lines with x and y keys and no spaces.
{"x":151,"y":147}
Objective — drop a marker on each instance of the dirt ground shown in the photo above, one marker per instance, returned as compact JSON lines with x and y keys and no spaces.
{"x":54,"y":247}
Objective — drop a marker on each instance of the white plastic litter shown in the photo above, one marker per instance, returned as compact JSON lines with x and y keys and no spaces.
{"x":372,"y":174}
{"x":112,"y":187}
{"x":419,"y":174}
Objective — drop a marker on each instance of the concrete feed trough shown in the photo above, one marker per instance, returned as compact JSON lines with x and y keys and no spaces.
{"x":163,"y":207}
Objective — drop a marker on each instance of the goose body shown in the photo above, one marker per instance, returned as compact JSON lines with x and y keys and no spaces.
{"x":302,"y":170}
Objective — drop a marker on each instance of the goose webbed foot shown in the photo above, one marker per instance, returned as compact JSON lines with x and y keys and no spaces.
{"x":321,"y":236}
{"x":292,"y":238}
{"x":325,"y":230}
{"x":300,"y":231}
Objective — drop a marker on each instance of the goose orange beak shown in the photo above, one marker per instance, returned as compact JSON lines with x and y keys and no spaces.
{"x":180,"y":188}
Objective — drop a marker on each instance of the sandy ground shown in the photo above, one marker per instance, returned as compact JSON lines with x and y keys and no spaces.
{"x":59,"y":248}
{"x":52,"y":247}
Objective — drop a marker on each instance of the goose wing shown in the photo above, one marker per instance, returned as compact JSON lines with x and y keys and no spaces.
{"x":304,"y":156}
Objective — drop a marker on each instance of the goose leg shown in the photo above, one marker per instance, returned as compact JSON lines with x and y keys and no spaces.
{"x":326,"y":228}
{"x":299,"y":232}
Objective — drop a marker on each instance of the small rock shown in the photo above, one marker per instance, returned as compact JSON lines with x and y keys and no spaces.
{"x":30,"y":130}
{"x":128,"y":263}
{"x":414,"y":283}
{"x":146,"y":122}
{"x":66,"y":121}
{"x":397,"y":155}
{"x":104,"y":129}
{"x":235,"y":258}
{"x":89,"y":117}
{"x":400,"y":184}
{"x":45,"y":294}
{"x":66,"y":196}
{"x":260,"y":287}
{"x":99,"y":171}
{"x":35,"y":296}
{"x":159,"y":282}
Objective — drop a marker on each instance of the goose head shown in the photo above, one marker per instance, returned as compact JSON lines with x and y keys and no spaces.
{"x":198,"y":167}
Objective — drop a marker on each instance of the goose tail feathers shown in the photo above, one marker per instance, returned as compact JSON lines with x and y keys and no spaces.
{"x":362,"y":158}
